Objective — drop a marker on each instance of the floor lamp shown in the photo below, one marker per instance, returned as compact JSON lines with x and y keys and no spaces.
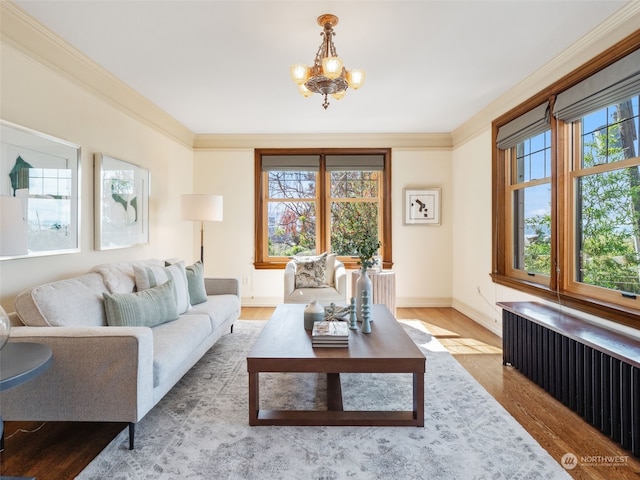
{"x":202,"y":208}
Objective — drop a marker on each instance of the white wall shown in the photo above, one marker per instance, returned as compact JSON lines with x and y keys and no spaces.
{"x":421,"y":254}
{"x":474,"y":293}
{"x":42,"y":99}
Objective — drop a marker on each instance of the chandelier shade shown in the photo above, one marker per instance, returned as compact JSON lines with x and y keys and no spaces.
{"x":327,"y":75}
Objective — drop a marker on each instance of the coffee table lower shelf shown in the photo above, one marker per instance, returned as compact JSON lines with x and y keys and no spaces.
{"x":335,"y":415}
{"x":333,"y":418}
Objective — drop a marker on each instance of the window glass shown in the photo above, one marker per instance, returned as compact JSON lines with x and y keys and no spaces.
{"x":533,"y":158}
{"x":532,"y":229}
{"x":608,"y":199}
{"x":531,"y":210}
{"x":610,"y":134}
{"x":291,"y":221}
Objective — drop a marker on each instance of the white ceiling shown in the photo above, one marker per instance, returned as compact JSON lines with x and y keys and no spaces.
{"x":223,"y":66}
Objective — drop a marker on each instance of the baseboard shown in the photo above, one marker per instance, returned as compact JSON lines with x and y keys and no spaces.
{"x":401,"y":302}
{"x":494,"y":325}
{"x":260,"y":301}
{"x":419,"y":302}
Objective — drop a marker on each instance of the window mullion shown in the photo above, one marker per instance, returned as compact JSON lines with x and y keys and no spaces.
{"x":322,"y":215}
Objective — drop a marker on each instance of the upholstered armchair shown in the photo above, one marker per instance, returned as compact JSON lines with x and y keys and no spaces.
{"x":322,"y":278}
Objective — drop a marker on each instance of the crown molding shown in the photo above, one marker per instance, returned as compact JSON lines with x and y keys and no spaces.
{"x":23,"y":33}
{"x":437,"y":141}
{"x":614,"y":29}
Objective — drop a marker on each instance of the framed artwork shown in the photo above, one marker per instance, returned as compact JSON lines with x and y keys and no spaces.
{"x":39,"y":193}
{"x":421,"y":206}
{"x":121,"y":203}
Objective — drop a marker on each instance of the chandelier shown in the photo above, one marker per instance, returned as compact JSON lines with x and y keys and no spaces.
{"x":327,"y":76}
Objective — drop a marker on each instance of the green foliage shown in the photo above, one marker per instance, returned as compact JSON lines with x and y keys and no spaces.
{"x":537,"y":253}
{"x":354,"y":231}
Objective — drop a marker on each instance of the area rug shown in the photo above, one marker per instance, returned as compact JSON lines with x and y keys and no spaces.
{"x":200,"y":429}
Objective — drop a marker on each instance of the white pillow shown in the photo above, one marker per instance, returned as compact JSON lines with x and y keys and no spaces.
{"x":310,"y":271}
{"x":149,"y":277}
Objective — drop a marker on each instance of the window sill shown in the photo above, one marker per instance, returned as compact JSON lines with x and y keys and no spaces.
{"x":590,"y":305}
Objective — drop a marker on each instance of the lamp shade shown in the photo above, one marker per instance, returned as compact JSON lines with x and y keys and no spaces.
{"x":13,"y":228}
{"x":355,"y":78}
{"x":203,"y":207}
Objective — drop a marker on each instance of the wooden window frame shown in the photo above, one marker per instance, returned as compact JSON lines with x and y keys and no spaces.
{"x":261,"y":261}
{"x":559,"y":289}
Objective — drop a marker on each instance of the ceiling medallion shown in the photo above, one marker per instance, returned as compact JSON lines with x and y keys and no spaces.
{"x":327,"y":76}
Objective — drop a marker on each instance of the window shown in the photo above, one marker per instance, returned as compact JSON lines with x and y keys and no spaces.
{"x":566,"y":176}
{"x":310,"y":201}
{"x":605,"y":182}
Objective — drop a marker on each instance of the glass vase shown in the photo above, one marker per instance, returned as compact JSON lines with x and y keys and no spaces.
{"x":5,"y":327}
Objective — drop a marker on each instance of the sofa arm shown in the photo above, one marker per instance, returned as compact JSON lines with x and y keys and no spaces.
{"x":222,"y":286}
{"x":97,"y":374}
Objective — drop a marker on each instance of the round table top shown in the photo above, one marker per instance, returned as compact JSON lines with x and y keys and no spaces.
{"x":20,"y":362}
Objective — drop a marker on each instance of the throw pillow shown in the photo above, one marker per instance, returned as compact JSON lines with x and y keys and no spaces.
{"x":195,"y":281}
{"x":146,"y":308}
{"x":310,"y":271}
{"x":148,"y":277}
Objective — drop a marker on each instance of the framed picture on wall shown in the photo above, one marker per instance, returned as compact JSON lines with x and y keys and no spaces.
{"x":39,"y":193}
{"x":121,"y":203}
{"x":421,"y":206}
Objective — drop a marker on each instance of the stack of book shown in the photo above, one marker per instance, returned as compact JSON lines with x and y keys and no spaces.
{"x":330,"y":334}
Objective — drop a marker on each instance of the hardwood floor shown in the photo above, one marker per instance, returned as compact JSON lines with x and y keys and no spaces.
{"x":60,"y":450}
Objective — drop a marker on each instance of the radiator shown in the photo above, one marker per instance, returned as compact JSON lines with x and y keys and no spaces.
{"x":592,"y":370}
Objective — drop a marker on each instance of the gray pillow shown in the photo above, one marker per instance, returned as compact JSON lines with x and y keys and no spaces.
{"x":146,"y":308}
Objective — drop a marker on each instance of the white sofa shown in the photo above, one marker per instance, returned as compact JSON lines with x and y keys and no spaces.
{"x":107,"y":373}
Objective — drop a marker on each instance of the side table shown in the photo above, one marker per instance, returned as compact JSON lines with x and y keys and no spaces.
{"x":383,"y":284}
{"x":19,"y":363}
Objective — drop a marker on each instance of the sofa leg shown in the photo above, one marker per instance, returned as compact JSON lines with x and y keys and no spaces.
{"x":132,"y":432}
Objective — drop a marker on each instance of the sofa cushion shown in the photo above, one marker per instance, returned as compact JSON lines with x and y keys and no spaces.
{"x":310,"y":271}
{"x":218,"y":308}
{"x":65,"y":303}
{"x":148,"y":277}
{"x":146,"y":308}
{"x":175,"y":341}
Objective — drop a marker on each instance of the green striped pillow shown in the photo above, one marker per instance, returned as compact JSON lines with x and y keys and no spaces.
{"x":195,"y":279}
{"x":146,"y":308}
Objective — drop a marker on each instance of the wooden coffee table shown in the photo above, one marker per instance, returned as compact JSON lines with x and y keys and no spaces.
{"x":285,"y":346}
